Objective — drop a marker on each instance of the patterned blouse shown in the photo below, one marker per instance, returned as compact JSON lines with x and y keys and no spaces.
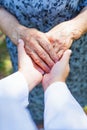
{"x":43,"y":15}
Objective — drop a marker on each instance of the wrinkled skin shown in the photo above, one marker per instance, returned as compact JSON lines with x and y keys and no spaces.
{"x":46,"y":49}
{"x":63,"y":35}
{"x":38,"y":47}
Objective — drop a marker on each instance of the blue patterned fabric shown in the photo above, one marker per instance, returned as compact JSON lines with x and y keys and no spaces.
{"x":40,"y":14}
{"x":43,"y":15}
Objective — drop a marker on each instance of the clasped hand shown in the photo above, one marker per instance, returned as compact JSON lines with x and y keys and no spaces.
{"x":59,"y":72}
{"x":46,"y":49}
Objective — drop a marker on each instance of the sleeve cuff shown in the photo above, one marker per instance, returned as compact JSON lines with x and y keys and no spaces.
{"x":57,"y":91}
{"x":55,"y":85}
{"x":15,"y":86}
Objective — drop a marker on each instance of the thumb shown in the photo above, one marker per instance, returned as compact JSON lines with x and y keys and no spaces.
{"x":66,"y":56}
{"x":21,"y":50}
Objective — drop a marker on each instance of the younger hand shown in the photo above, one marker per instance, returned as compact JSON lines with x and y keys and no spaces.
{"x":32,"y":76}
{"x":59,"y":71}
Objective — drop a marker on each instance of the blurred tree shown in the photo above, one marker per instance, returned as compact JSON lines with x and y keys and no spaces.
{"x":5,"y":64}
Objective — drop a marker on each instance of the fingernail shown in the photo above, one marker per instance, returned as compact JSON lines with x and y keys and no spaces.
{"x":70,"y":52}
{"x":56,"y":59}
{"x":20,"y":41}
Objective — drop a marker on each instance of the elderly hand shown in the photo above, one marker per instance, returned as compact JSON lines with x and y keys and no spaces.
{"x":59,"y":71}
{"x":39,"y":48}
{"x":62,"y":35}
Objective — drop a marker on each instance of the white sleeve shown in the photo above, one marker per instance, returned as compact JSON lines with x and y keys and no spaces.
{"x":62,"y":111}
{"x":15,"y":86}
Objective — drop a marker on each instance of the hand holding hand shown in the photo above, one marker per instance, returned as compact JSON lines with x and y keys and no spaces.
{"x":32,"y":76}
{"x":39,"y":48}
{"x":59,"y":71}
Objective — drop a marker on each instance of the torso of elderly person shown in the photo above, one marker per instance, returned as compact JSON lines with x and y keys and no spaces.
{"x":43,"y":15}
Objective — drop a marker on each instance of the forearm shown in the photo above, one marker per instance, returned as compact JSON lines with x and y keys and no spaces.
{"x":81,"y":22}
{"x":16,"y":87}
{"x":9,"y":25}
{"x":60,"y":107}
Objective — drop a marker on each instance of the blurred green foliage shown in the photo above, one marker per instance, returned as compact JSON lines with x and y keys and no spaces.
{"x":85,"y":109}
{"x":5,"y":63}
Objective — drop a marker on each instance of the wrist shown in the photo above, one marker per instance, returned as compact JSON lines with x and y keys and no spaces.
{"x":48,"y":81}
{"x":79,"y":24}
{"x":18,"y":32}
{"x":77,"y":29}
{"x":30,"y":77}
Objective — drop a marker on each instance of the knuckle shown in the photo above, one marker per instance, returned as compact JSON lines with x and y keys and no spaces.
{"x":42,"y":54}
{"x":30,"y":52}
{"x":27,"y":38}
{"x":45,"y":56}
{"x":37,"y":60}
{"x":48,"y":47}
{"x":51,"y":64}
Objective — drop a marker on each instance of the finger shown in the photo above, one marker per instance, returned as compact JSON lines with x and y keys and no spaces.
{"x":49,"y":49}
{"x":59,"y":49}
{"x":66,"y":56}
{"x":43,"y":54}
{"x":38,"y":60}
{"x":56,"y":46}
{"x":60,"y":54}
{"x":38,"y":68}
{"x":62,"y":49}
{"x":69,"y":42}
{"x":21,"y":50}
{"x":21,"y":43}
